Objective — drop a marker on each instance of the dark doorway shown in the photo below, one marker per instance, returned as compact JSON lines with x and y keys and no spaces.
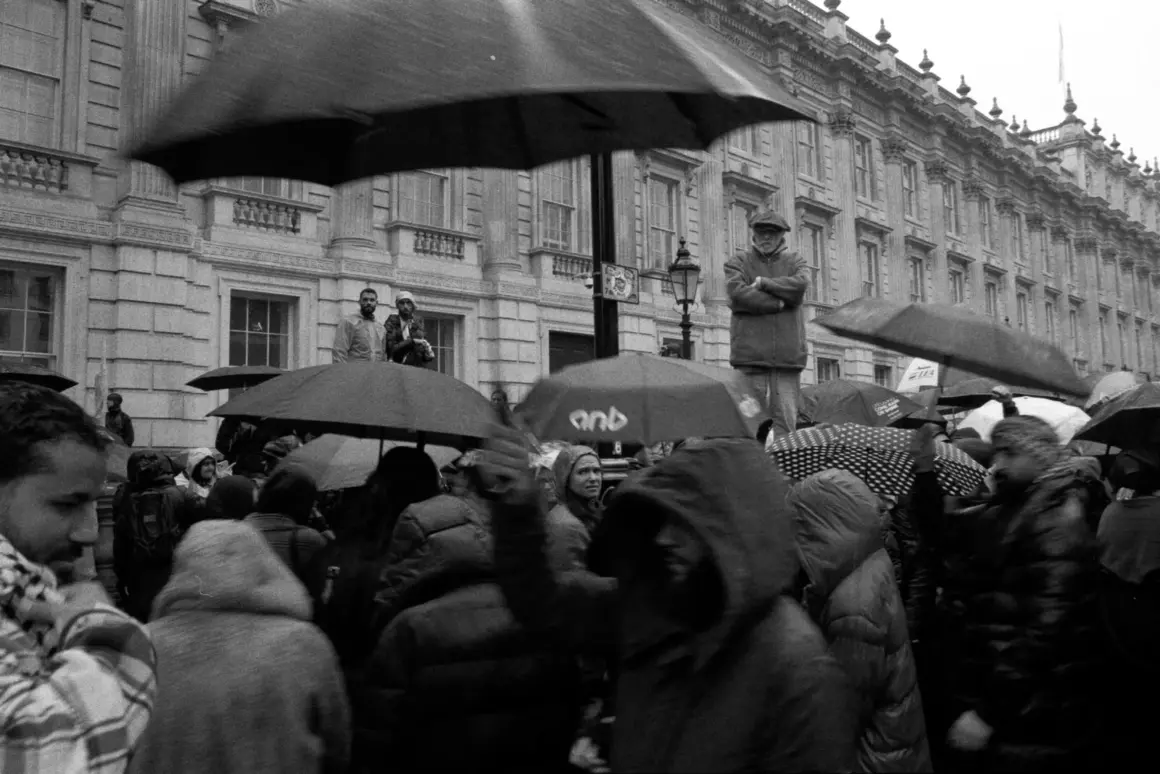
{"x":565,"y":349}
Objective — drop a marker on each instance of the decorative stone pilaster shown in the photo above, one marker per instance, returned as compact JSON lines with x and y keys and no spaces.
{"x":1036,"y":221}
{"x":501,"y":228}
{"x":973,"y":189}
{"x":842,"y":123}
{"x":713,"y":229}
{"x":894,"y":149}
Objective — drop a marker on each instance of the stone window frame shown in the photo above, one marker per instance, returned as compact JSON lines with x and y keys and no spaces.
{"x":954,"y":206}
{"x":678,"y":169}
{"x":57,"y":312}
{"x":912,"y":206}
{"x":914,"y":261}
{"x":889,"y":375}
{"x":958,"y":267}
{"x":1051,"y":301}
{"x":868,"y":191}
{"x":755,"y":135}
{"x":817,"y":154}
{"x":582,"y":210}
{"x":830,"y":357}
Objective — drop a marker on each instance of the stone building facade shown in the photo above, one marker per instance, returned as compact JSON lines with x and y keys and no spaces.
{"x":904,"y":190}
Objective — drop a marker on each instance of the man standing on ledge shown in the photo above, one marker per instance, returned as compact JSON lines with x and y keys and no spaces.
{"x":766,"y":286}
{"x":358,"y":336}
{"x":406,"y":339}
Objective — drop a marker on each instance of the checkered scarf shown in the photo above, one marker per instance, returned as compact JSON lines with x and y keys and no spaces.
{"x":21,"y":584}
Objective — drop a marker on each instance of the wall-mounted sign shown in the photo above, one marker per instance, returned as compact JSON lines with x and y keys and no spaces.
{"x":620,"y":283}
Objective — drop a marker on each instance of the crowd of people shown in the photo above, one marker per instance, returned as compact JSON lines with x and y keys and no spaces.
{"x":501,"y":615}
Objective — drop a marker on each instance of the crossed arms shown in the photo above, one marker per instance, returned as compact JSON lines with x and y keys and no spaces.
{"x":766,"y":295}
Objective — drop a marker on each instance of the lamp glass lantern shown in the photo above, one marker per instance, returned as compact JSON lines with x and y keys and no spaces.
{"x":685,"y":274}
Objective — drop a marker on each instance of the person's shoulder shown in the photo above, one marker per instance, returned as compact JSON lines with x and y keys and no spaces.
{"x":739,"y":257}
{"x":789,"y":633}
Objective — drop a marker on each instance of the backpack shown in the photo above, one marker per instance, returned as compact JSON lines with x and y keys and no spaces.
{"x":154,"y":525}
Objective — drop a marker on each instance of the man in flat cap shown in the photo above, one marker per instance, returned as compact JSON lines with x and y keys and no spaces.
{"x":767,"y":284}
{"x":405,"y":340}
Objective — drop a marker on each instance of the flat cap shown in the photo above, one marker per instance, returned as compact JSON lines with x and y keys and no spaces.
{"x":768,"y":219}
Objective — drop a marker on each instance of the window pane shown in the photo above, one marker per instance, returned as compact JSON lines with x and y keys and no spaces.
{"x":279,"y":317}
{"x":422,"y":199}
{"x":27,"y":313}
{"x":11,"y":331}
{"x":237,"y":314}
{"x":256,"y":349}
{"x":237,"y":347}
{"x":279,"y":349}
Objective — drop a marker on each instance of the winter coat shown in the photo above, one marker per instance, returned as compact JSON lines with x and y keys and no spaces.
{"x":1018,"y":635}
{"x":285,"y":505}
{"x":399,"y":344}
{"x":247,"y":684}
{"x":751,"y":689}
{"x":357,"y":338}
{"x":919,"y":562}
{"x":455,"y":684}
{"x":853,"y":596}
{"x":572,"y":520}
{"x":193,"y":460}
{"x":121,"y":425}
{"x":767,"y":329}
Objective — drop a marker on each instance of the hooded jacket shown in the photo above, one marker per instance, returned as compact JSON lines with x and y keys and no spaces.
{"x":247,"y":683}
{"x":853,"y":596}
{"x":767,"y":329}
{"x":572,"y":519}
{"x":753,"y":688}
{"x":193,"y":460}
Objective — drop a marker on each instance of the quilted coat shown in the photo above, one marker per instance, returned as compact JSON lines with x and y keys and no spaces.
{"x":853,"y":596}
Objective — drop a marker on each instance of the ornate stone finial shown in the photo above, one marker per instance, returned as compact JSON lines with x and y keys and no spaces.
{"x":1096,"y":128}
{"x":1115,"y":144}
{"x":1025,"y":132}
{"x":832,"y":5}
{"x":963,"y":88}
{"x":1014,"y":127}
{"x":1147,"y":168}
{"x":1131,"y":155}
{"x":995,"y":111}
{"x":883,"y":35}
{"x":1069,"y":105}
{"x":925,"y":65}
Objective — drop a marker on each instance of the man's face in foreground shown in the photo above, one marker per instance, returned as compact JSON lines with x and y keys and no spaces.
{"x":50,"y":513}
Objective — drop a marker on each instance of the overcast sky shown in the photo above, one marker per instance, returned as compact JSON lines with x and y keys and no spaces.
{"x":1009,"y":49}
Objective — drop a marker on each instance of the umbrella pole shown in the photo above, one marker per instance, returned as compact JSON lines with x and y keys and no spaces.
{"x":420,"y":441}
{"x":380,"y":447}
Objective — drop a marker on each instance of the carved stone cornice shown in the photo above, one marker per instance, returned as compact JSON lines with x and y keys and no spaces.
{"x":973,"y":188}
{"x":1086,"y":244}
{"x":1006,"y":206}
{"x":938,"y":171}
{"x":1036,"y":220}
{"x":894,"y":148}
{"x":842,"y":123}
{"x":222,"y":16}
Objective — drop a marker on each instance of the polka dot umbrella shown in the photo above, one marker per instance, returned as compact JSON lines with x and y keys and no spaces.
{"x":880,"y":456}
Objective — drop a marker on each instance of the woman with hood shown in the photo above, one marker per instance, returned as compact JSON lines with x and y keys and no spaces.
{"x":247,"y":683}
{"x":232,"y":498}
{"x":285,"y":506}
{"x":853,"y":596}
{"x":200,"y":472}
{"x":572,"y":520}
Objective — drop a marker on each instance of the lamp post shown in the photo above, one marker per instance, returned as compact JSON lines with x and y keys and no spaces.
{"x":685,"y":274}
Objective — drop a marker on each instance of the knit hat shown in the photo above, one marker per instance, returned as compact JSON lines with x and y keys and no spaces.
{"x":1029,"y":436}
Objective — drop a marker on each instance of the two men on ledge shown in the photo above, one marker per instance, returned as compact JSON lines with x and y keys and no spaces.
{"x":401,"y":339}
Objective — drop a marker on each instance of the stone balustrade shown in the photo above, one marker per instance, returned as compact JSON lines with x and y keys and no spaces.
{"x":437,"y":244}
{"x":22,"y":167}
{"x":268,"y":216}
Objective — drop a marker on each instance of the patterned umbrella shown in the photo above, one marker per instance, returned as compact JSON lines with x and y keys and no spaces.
{"x":880,"y":456}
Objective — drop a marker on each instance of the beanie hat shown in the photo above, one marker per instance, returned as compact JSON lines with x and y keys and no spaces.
{"x":1029,"y":436}
{"x":116,"y":398}
{"x":977,"y":449}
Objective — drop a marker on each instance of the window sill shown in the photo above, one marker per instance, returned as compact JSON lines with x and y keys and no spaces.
{"x":35,"y":168}
{"x":442,"y":244}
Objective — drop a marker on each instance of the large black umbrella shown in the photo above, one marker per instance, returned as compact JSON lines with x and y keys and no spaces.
{"x":864,"y":403}
{"x":974,"y":391}
{"x":637,"y":398}
{"x":1130,"y":420}
{"x":333,"y":92}
{"x":386,"y":401}
{"x":231,"y":377}
{"x":956,"y":337}
{"x":23,"y":372}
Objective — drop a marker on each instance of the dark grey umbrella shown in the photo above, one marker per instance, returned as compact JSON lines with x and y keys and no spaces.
{"x":23,"y":372}
{"x":956,"y":337}
{"x":338,"y":91}
{"x":230,"y":377}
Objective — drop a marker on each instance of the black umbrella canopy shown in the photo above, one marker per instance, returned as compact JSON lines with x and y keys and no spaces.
{"x":1130,"y":420}
{"x":338,"y":91}
{"x":865,"y":403}
{"x":23,"y":372}
{"x":230,"y":377}
{"x":959,"y":338}
{"x":369,"y":400}
{"x":635,"y":398}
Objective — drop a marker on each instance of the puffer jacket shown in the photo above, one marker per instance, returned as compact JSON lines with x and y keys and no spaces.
{"x":1018,"y":638}
{"x":767,"y":327}
{"x":751,"y":685}
{"x":853,"y":596}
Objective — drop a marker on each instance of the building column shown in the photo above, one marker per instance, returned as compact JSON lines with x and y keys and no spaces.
{"x":624,"y":206}
{"x":937,"y":179}
{"x":712,"y":237}
{"x":893,"y":151}
{"x":845,"y":229}
{"x":352,"y":232}
{"x":500,"y":248}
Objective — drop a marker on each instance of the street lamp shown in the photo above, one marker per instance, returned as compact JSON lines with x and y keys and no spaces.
{"x":685,"y":274}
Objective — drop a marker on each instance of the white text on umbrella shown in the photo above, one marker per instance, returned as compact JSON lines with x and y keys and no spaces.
{"x":589,"y":421}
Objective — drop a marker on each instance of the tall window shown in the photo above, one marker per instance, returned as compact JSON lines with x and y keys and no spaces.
{"x":1135,"y":290}
{"x":1145,"y":291}
{"x":917,"y":279}
{"x":662,"y":221}
{"x":1122,"y":330}
{"x":884,"y":376}
{"x":986,"y":227}
{"x":1045,"y":253}
{"x":991,"y":298}
{"x":871,"y":274}
{"x":424,"y":198}
{"x":1049,"y":320}
{"x":814,"y":246}
{"x":951,"y":207}
{"x":827,"y":369}
{"x":910,"y":187}
{"x":957,"y":284}
{"x":1104,"y":337}
{"x":1073,"y":331}
{"x":746,"y":140}
{"x":1069,"y":260}
{"x":558,"y":197}
{"x":1017,"y":236}
{"x":809,"y":150}
{"x":28,"y":309}
{"x":441,"y":335}
{"x":864,"y":167}
{"x":1022,"y":302}
{"x":31,"y":60}
{"x":260,"y":330}
{"x":739,"y":215}
{"x":268,"y":186}
{"x":1139,"y":347}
